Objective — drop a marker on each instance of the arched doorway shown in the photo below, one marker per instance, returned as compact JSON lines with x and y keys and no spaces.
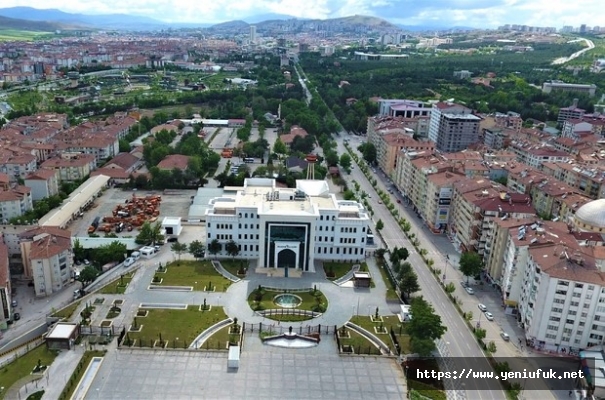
{"x":286,"y":258}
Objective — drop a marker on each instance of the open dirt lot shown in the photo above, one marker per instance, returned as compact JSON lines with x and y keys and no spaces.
{"x":175,"y":203}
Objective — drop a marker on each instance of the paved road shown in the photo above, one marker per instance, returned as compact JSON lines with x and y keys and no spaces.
{"x":459,"y":340}
{"x":590,"y":45}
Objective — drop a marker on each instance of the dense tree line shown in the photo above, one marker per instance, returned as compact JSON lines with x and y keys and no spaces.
{"x":429,"y":75}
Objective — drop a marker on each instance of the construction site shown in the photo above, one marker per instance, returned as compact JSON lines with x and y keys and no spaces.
{"x":128,"y":216}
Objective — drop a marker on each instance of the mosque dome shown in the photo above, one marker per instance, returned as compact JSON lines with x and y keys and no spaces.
{"x":591,"y":216}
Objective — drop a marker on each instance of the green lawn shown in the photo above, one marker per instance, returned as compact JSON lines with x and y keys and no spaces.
{"x":359,"y":343}
{"x":118,"y":286}
{"x":187,"y":273}
{"x":185,"y":325}
{"x":72,"y":384}
{"x":234,"y":266}
{"x":23,"y":366}
{"x":336,"y":270}
{"x":426,"y":390}
{"x":68,"y":311}
{"x":309,"y":300}
{"x":391,"y":293}
{"x":389,"y":321}
{"x":16,"y":34}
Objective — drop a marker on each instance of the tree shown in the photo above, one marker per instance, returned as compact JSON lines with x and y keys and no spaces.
{"x":178,"y":248}
{"x":78,"y":250}
{"x":88,"y":275}
{"x":379,"y":225}
{"x":232,"y":248}
{"x":197,"y":249}
{"x":399,"y":254}
{"x":470,"y":264}
{"x":215,"y":247}
{"x":279,"y":147}
{"x":424,"y":327}
{"x":150,"y":234}
{"x":408,"y":283}
{"x":368,"y":150}
{"x":112,"y":252}
{"x":345,"y":162}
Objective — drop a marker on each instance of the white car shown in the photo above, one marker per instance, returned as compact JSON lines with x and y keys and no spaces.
{"x":482,"y":307}
{"x":128,"y":262}
{"x":469,"y":290}
{"x":489,"y":316}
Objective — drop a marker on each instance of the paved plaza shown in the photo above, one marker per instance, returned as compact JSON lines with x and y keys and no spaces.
{"x":265,"y":373}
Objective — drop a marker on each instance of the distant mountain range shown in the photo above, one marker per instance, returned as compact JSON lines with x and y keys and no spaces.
{"x":57,"y":19}
{"x":32,"y":26}
{"x":101,"y":21}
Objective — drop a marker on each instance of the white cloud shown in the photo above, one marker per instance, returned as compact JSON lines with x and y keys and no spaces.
{"x":478,"y":13}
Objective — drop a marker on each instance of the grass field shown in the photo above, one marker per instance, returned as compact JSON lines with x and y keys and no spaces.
{"x":336,"y":270}
{"x":118,"y":286}
{"x":391,"y":293}
{"x":233,"y":266}
{"x":68,"y":311}
{"x":197,"y":274}
{"x":24,"y":365}
{"x":359,"y":344}
{"x":7,"y":35}
{"x":181,"y":326}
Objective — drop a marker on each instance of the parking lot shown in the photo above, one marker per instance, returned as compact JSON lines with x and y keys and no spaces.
{"x":175,"y":203}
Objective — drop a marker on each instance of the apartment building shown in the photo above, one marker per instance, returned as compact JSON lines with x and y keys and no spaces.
{"x":285,"y":228}
{"x":536,"y":155}
{"x":453,"y":127}
{"x":571,"y":112}
{"x":562,"y":292}
{"x":14,"y":203}
{"x":43,"y":183}
{"x":588,"y":180}
{"x":476,"y":203}
{"x":496,"y":138}
{"x":47,"y":258}
{"x":494,"y":259}
{"x":17,"y":165}
{"x":411,"y":177}
{"x":384,"y":125}
{"x":392,"y":145}
{"x":577,"y":128}
{"x":403,"y":108}
{"x":71,"y":167}
{"x":436,"y":208}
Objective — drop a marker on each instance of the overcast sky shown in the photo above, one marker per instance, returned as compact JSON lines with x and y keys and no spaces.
{"x":473,"y":13}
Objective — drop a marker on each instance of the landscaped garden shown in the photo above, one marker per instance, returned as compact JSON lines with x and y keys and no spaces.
{"x":200,"y":275}
{"x":380,"y":325}
{"x":312,"y":300}
{"x":67,"y":312}
{"x":336,"y":270}
{"x":235,"y":267}
{"x":39,"y":358}
{"x":72,"y":384}
{"x":119,"y":285}
{"x":171,"y":328}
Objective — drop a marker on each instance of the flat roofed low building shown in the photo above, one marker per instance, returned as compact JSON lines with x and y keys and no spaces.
{"x":288,"y":227}
{"x":75,"y":203}
{"x":63,"y":336}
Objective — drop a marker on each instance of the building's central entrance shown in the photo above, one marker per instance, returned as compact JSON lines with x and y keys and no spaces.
{"x":286,"y":259}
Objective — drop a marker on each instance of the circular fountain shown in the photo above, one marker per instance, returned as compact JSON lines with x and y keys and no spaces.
{"x":287,"y":300}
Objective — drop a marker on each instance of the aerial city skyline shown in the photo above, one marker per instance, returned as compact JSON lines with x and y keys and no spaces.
{"x":440,"y":13}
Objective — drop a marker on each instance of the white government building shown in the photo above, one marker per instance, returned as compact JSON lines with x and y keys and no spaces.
{"x":289,"y":227}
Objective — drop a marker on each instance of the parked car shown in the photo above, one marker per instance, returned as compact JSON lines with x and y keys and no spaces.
{"x":128,"y":262}
{"x":172,"y":240}
{"x":505,"y":336}
{"x":14,"y":303}
{"x":489,"y":316}
{"x":86,"y":262}
{"x":16,"y":316}
{"x":463,"y":284}
{"x":469,"y":290}
{"x":482,"y":307}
